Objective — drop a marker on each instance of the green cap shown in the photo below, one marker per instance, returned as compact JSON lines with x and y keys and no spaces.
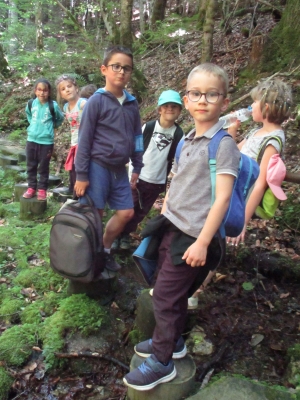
{"x":169,"y":96}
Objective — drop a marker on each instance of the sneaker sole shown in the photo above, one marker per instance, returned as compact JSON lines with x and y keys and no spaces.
{"x":175,"y":356}
{"x":165,"y":379}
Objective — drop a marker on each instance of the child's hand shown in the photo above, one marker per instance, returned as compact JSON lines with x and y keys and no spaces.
{"x":237,"y":240}
{"x":80,"y":187}
{"x":195,"y":255}
{"x":233,"y":128}
{"x":133,"y":180}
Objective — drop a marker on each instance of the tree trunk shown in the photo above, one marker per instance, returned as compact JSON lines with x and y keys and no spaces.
{"x":208,"y":32}
{"x":109,"y":21}
{"x":125,"y":25}
{"x":4,"y":69}
{"x":142,"y":16}
{"x":12,"y":23}
{"x":39,"y":27}
{"x":201,"y":14}
{"x":158,"y":12}
{"x":284,"y":48}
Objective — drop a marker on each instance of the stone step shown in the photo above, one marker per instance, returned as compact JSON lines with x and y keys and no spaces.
{"x":8,"y":160}
{"x":16,"y":168}
{"x":180,"y":387}
{"x":22,"y":156}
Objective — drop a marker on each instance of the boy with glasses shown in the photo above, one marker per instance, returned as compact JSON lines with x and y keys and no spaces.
{"x":109,"y":135}
{"x":191,"y":244}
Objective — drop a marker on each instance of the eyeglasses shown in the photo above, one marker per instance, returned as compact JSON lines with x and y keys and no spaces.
{"x":210,"y":97}
{"x":118,"y":68}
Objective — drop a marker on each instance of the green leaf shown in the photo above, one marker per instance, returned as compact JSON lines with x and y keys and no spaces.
{"x":248,"y":286}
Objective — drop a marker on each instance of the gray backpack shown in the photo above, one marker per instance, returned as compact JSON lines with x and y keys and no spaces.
{"x":76,"y":249}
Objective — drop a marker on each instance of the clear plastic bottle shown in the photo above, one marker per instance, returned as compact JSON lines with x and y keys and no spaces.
{"x":242,"y":115}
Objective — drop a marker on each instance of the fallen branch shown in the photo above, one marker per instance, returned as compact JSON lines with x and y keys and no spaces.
{"x":292,"y":177}
{"x":90,"y":354}
{"x":216,"y":358}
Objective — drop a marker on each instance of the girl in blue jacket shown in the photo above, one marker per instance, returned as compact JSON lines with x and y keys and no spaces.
{"x":44,"y":115}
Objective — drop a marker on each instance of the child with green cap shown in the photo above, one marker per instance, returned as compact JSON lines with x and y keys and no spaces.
{"x":161,"y":137}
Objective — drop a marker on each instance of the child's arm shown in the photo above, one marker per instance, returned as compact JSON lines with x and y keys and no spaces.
{"x":257,"y":193}
{"x":195,"y":255}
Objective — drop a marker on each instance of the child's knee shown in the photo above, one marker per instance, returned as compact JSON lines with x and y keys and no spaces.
{"x":126,"y":215}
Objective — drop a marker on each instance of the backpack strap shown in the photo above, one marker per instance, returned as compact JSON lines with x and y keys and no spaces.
{"x":212,"y":162}
{"x":147,"y":134}
{"x":264,"y":145}
{"x":29,"y":104}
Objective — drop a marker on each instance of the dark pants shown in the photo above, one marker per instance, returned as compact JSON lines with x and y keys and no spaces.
{"x":38,"y":158}
{"x":72,"y":180}
{"x":143,"y":199}
{"x":170,"y":296}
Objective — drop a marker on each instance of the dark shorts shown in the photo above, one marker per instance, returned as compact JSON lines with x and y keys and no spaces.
{"x":109,"y":187}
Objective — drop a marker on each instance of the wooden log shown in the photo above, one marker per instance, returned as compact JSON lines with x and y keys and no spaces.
{"x":7,"y":160}
{"x":22,"y":156}
{"x":16,"y":168}
{"x":292,"y":177}
{"x":54,"y":180}
{"x":180,"y":387}
{"x":20,"y":189}
{"x":30,"y":208}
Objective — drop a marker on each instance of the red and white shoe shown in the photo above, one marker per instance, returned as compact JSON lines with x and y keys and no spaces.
{"x":29,"y":194}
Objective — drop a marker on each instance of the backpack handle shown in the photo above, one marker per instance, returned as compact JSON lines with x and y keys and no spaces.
{"x":264,"y":146}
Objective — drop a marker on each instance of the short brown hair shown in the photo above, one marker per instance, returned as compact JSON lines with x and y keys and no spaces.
{"x":213,"y":69}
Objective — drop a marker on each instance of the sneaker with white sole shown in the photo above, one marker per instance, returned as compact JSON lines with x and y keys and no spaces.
{"x":150,"y":374}
{"x":144,"y":349}
{"x":110,"y":263}
{"x":29,"y":194}
{"x":42,"y":194}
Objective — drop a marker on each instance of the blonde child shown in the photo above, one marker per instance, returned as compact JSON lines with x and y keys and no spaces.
{"x":43,"y":115}
{"x":191,"y":245}
{"x":271,"y":106}
{"x":67,"y":90}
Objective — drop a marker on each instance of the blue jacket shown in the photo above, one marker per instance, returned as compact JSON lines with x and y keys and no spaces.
{"x":108,"y":134}
{"x":41,"y":129}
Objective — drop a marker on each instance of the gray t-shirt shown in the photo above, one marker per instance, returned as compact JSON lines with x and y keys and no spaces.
{"x":252,"y":145}
{"x":189,"y":198}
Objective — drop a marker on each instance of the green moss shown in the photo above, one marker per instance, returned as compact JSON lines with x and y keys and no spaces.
{"x":41,"y":278}
{"x":10,"y":308}
{"x":40,"y":309}
{"x":5,"y":383}
{"x":75,"y":313}
{"x":16,"y":344}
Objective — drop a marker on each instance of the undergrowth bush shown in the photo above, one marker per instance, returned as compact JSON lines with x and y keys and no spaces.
{"x":290,"y":212}
{"x":75,"y":313}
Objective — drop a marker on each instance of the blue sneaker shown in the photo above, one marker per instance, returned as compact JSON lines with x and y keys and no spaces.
{"x":150,"y":374}
{"x":144,"y":349}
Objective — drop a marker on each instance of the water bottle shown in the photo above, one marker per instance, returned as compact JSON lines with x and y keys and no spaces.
{"x":242,"y":115}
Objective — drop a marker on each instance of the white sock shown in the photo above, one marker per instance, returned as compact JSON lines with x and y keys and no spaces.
{"x":106,"y":250}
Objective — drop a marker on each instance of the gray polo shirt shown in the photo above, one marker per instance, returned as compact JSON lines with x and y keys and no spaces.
{"x":189,"y":198}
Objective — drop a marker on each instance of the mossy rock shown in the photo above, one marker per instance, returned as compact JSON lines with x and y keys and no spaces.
{"x":145,"y":321}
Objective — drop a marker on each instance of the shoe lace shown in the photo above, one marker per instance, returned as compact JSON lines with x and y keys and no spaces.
{"x":144,"y":368}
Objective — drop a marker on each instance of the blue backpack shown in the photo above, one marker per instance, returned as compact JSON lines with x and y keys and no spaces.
{"x":234,"y":218}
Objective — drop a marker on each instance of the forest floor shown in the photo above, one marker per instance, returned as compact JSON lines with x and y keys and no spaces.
{"x":251,"y":310}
